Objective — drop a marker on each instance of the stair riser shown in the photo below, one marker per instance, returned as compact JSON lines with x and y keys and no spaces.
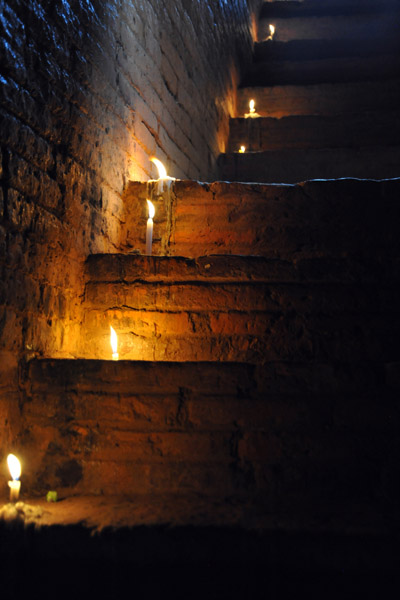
{"x":296,"y":165}
{"x":314,"y":132}
{"x":232,"y":337}
{"x":348,"y":8}
{"x":355,"y":27}
{"x":320,"y":99}
{"x":278,"y":221}
{"x":339,"y":70}
{"x":140,"y":428}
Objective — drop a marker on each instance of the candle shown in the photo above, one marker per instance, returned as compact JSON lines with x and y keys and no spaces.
{"x":162,"y":175}
{"x":114,"y":344}
{"x":14,"y":467}
{"x":149,"y":230}
{"x":252,"y":108}
{"x":242,"y":149}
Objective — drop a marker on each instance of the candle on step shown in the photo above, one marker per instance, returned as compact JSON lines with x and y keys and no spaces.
{"x":252,"y":108}
{"x":271,"y":31}
{"x":114,"y":344}
{"x":149,"y":229}
{"x":242,"y":149}
{"x":162,"y":175}
{"x":14,"y":467}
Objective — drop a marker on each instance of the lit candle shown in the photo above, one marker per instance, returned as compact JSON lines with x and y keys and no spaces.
{"x":114,"y":344}
{"x":14,"y":467}
{"x":149,"y":230}
{"x":162,"y":175}
{"x":242,"y":149}
{"x":252,"y":114}
{"x":271,"y":32}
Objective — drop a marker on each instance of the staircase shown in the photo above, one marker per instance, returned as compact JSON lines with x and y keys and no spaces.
{"x":257,"y":382}
{"x":326,"y":88}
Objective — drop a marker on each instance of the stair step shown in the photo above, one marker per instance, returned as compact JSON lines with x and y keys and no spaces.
{"x":302,"y":8}
{"x":287,"y":437}
{"x":242,"y":316}
{"x":296,"y":165}
{"x":333,"y":131}
{"x":314,"y":219}
{"x":317,"y":71}
{"x":317,"y":49}
{"x":331,"y":27}
{"x":321,"y":99}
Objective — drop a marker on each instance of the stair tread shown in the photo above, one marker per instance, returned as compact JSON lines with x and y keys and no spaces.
{"x":316,"y":131}
{"x":127,"y":268}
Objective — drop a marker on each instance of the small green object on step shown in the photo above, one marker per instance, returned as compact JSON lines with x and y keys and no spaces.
{"x":51,"y":496}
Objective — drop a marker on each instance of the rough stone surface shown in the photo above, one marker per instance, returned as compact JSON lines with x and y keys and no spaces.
{"x":316,"y":131}
{"x":237,"y":309}
{"x":316,"y":218}
{"x":320,"y":99}
{"x":294,"y":165}
{"x":296,"y":443}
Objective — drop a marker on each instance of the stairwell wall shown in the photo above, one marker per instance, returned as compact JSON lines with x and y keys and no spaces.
{"x":89,"y":90}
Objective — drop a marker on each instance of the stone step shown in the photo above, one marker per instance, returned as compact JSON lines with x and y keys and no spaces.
{"x":281,"y":437}
{"x":331,"y":27}
{"x":322,"y":70}
{"x":240,"y":316}
{"x":334,"y":131}
{"x":315,"y":49}
{"x":290,"y":222}
{"x":321,"y":99}
{"x":306,"y":8}
{"x":295,"y":165}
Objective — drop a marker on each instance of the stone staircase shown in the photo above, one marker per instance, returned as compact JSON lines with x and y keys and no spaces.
{"x":326,"y":88}
{"x":258,"y":380}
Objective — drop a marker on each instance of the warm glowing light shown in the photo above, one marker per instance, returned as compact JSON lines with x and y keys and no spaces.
{"x":271,"y":31}
{"x":114,"y":343}
{"x":15,"y":470}
{"x":242,"y":149}
{"x":252,"y":108}
{"x":162,"y":172}
{"x":152,"y":210}
{"x":14,"y":466}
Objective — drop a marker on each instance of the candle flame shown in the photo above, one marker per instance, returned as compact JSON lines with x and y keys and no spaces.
{"x":271,"y":31}
{"x":152,"y":210}
{"x":252,"y":105}
{"x":113,"y":341}
{"x":162,"y":172}
{"x":242,"y":149}
{"x":14,"y":466}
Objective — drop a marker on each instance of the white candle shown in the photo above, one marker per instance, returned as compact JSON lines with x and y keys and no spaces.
{"x":15,"y":470}
{"x":162,"y":173}
{"x":149,"y":230}
{"x":114,"y":344}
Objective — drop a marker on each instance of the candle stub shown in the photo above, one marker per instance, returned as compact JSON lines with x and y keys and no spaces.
{"x":14,"y":467}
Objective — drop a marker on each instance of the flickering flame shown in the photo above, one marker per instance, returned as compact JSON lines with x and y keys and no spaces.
{"x":14,"y":466}
{"x":271,"y":31}
{"x":252,"y":105}
{"x":114,"y":343}
{"x":162,"y":173}
{"x":152,"y":210}
{"x":242,"y":149}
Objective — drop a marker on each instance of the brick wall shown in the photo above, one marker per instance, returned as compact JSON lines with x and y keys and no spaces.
{"x":89,"y":90}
